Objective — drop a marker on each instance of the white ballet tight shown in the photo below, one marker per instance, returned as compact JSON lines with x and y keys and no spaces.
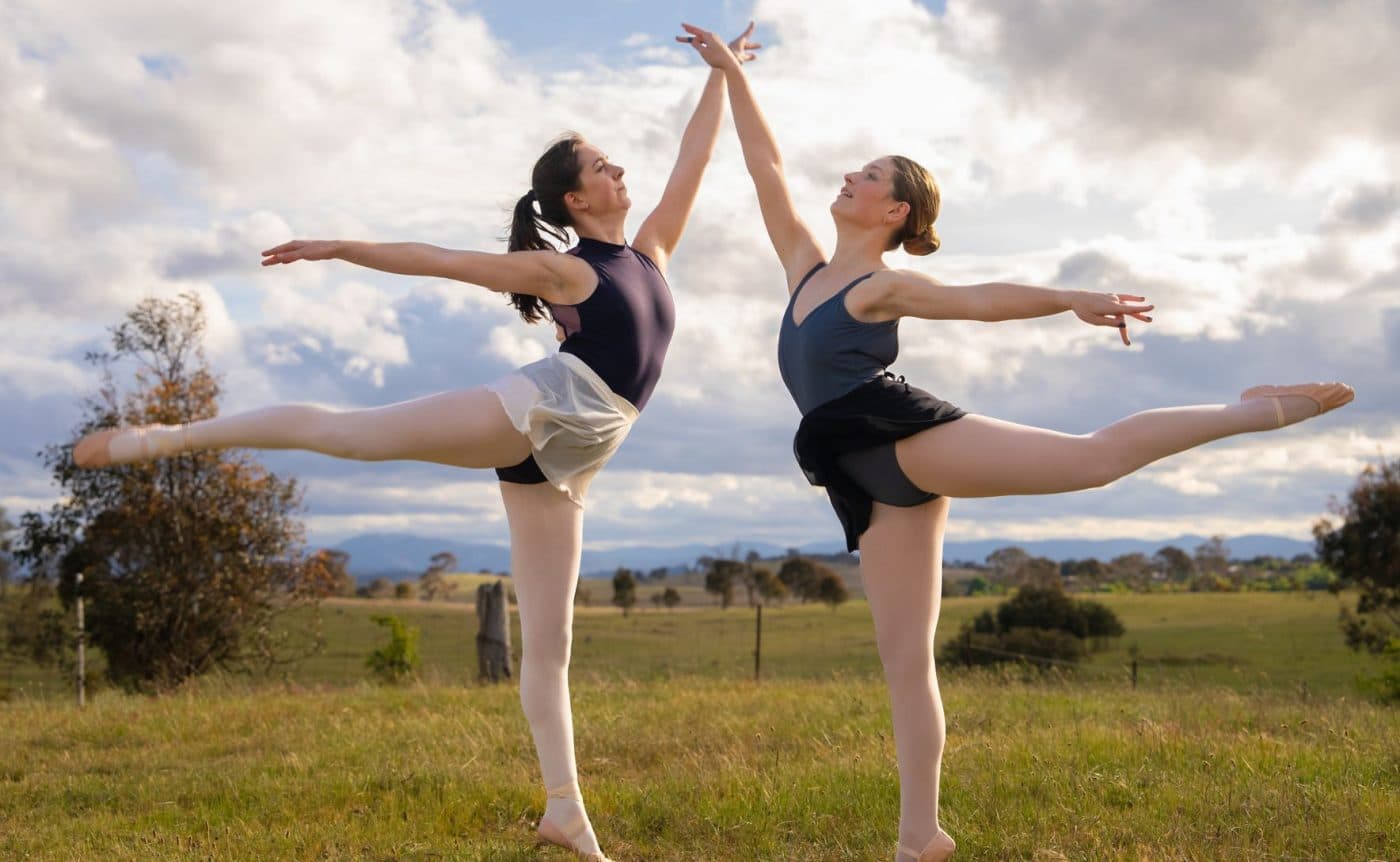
{"x":546,"y":540}
{"x":462,"y":428}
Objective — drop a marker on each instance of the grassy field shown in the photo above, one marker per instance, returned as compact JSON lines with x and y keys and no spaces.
{"x":1244,"y":741}
{"x":1278,"y":641}
{"x":699,"y":769}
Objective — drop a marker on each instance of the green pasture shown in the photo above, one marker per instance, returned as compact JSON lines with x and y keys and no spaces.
{"x":698,"y":768}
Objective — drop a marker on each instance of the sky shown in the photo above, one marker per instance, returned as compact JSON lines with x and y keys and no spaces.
{"x":1237,"y":164}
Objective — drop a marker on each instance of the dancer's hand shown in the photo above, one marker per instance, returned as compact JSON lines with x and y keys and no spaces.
{"x":1110,"y":309}
{"x":714,"y":51}
{"x":300,"y":249}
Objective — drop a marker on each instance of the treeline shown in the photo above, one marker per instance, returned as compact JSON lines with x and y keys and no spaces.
{"x":796,"y":577}
{"x":1209,"y":568}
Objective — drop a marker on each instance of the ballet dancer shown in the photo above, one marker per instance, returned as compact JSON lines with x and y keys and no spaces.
{"x":890,"y":455}
{"x":546,"y":428}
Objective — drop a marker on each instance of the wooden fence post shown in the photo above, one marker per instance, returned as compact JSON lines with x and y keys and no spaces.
{"x":82,"y":648}
{"x":493,"y":633}
{"x":758,"y":644}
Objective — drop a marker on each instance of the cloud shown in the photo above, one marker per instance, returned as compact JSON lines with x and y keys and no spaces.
{"x":1114,"y":147}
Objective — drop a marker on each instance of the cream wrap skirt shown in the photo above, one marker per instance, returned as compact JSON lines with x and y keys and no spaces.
{"x":573,"y":420}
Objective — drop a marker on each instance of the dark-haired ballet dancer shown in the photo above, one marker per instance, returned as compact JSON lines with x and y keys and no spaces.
{"x":546,"y":428}
{"x":891,"y":455}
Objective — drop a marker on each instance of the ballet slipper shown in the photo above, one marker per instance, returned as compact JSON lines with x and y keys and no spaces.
{"x":566,"y":835}
{"x":938,"y":849}
{"x":91,"y":451}
{"x":1327,"y":396}
{"x":124,"y":445}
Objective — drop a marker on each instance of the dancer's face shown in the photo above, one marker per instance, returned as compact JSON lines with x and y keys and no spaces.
{"x":866,"y":197}
{"x":601,"y":189}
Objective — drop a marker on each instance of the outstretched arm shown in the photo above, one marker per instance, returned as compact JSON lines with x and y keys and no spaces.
{"x":903,"y":293}
{"x":549,"y":275}
{"x":661,"y":232}
{"x":794,"y":243}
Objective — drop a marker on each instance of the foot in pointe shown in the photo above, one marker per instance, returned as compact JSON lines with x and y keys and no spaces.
{"x":938,"y":849}
{"x":575,"y":830}
{"x":1302,"y":400}
{"x":124,"y":445}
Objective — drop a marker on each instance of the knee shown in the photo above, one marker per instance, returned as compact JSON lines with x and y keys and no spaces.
{"x":547,"y":649}
{"x":909,"y":659}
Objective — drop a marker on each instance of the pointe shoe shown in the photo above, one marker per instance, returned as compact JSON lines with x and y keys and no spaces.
{"x":566,"y":836}
{"x":938,"y":849}
{"x":92,"y":451}
{"x":1327,"y":396}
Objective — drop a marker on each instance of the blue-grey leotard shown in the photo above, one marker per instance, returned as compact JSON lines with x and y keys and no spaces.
{"x":832,"y":353}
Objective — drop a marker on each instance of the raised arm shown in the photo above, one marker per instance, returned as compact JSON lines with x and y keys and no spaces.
{"x":549,"y":275}
{"x":792,"y":240}
{"x":904,"y":293}
{"x":661,"y":232}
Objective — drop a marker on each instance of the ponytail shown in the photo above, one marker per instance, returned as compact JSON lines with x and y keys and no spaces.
{"x":556,"y":173}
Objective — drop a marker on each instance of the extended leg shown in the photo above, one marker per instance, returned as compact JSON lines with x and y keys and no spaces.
{"x":978,"y":456}
{"x":546,"y":540}
{"x":901,"y":565}
{"x":462,"y":428}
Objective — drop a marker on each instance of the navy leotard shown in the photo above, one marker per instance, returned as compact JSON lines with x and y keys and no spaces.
{"x":621,"y":330}
{"x":853,"y":409}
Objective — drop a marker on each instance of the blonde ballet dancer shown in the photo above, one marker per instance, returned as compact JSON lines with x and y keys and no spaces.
{"x":547,"y":428}
{"x":890,"y":456}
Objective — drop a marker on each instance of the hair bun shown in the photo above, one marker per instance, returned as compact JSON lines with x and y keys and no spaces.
{"x":924,"y":243}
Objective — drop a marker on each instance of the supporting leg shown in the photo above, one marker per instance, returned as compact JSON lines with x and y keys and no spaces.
{"x":901,"y":565}
{"x":546,"y":540}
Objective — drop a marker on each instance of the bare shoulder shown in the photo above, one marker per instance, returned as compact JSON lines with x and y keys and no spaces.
{"x":574,"y":280}
{"x":881,"y":297}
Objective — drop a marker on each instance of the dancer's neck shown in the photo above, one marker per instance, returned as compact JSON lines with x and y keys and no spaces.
{"x":609,"y":230}
{"x":858,"y":249}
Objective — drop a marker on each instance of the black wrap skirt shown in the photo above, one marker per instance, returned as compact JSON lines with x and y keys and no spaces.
{"x":873,"y":414}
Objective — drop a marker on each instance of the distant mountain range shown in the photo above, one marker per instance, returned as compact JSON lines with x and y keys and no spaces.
{"x":398,"y":555}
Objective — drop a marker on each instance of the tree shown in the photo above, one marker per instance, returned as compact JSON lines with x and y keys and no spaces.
{"x":624,"y":590}
{"x":670,"y":598}
{"x":1041,"y":572}
{"x":1132,"y":570}
{"x":657,"y":575}
{"x":1006,"y":564}
{"x":1087,"y":573}
{"x":6,"y":553}
{"x":336,"y":565}
{"x":433,"y":582}
{"x":831,"y":589}
{"x":187,"y":561}
{"x":720,"y":580}
{"x":749,"y":575}
{"x":769,"y":587}
{"x":404,"y":590}
{"x":1213,"y":557}
{"x":1364,"y":551}
{"x":443,"y":561}
{"x":1175,"y":564}
{"x":37,"y":632}
{"x":978,"y":586}
{"x":801,"y":576}
{"x":380,"y":588}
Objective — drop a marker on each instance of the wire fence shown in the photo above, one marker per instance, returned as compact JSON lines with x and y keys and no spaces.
{"x":790,"y":641}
